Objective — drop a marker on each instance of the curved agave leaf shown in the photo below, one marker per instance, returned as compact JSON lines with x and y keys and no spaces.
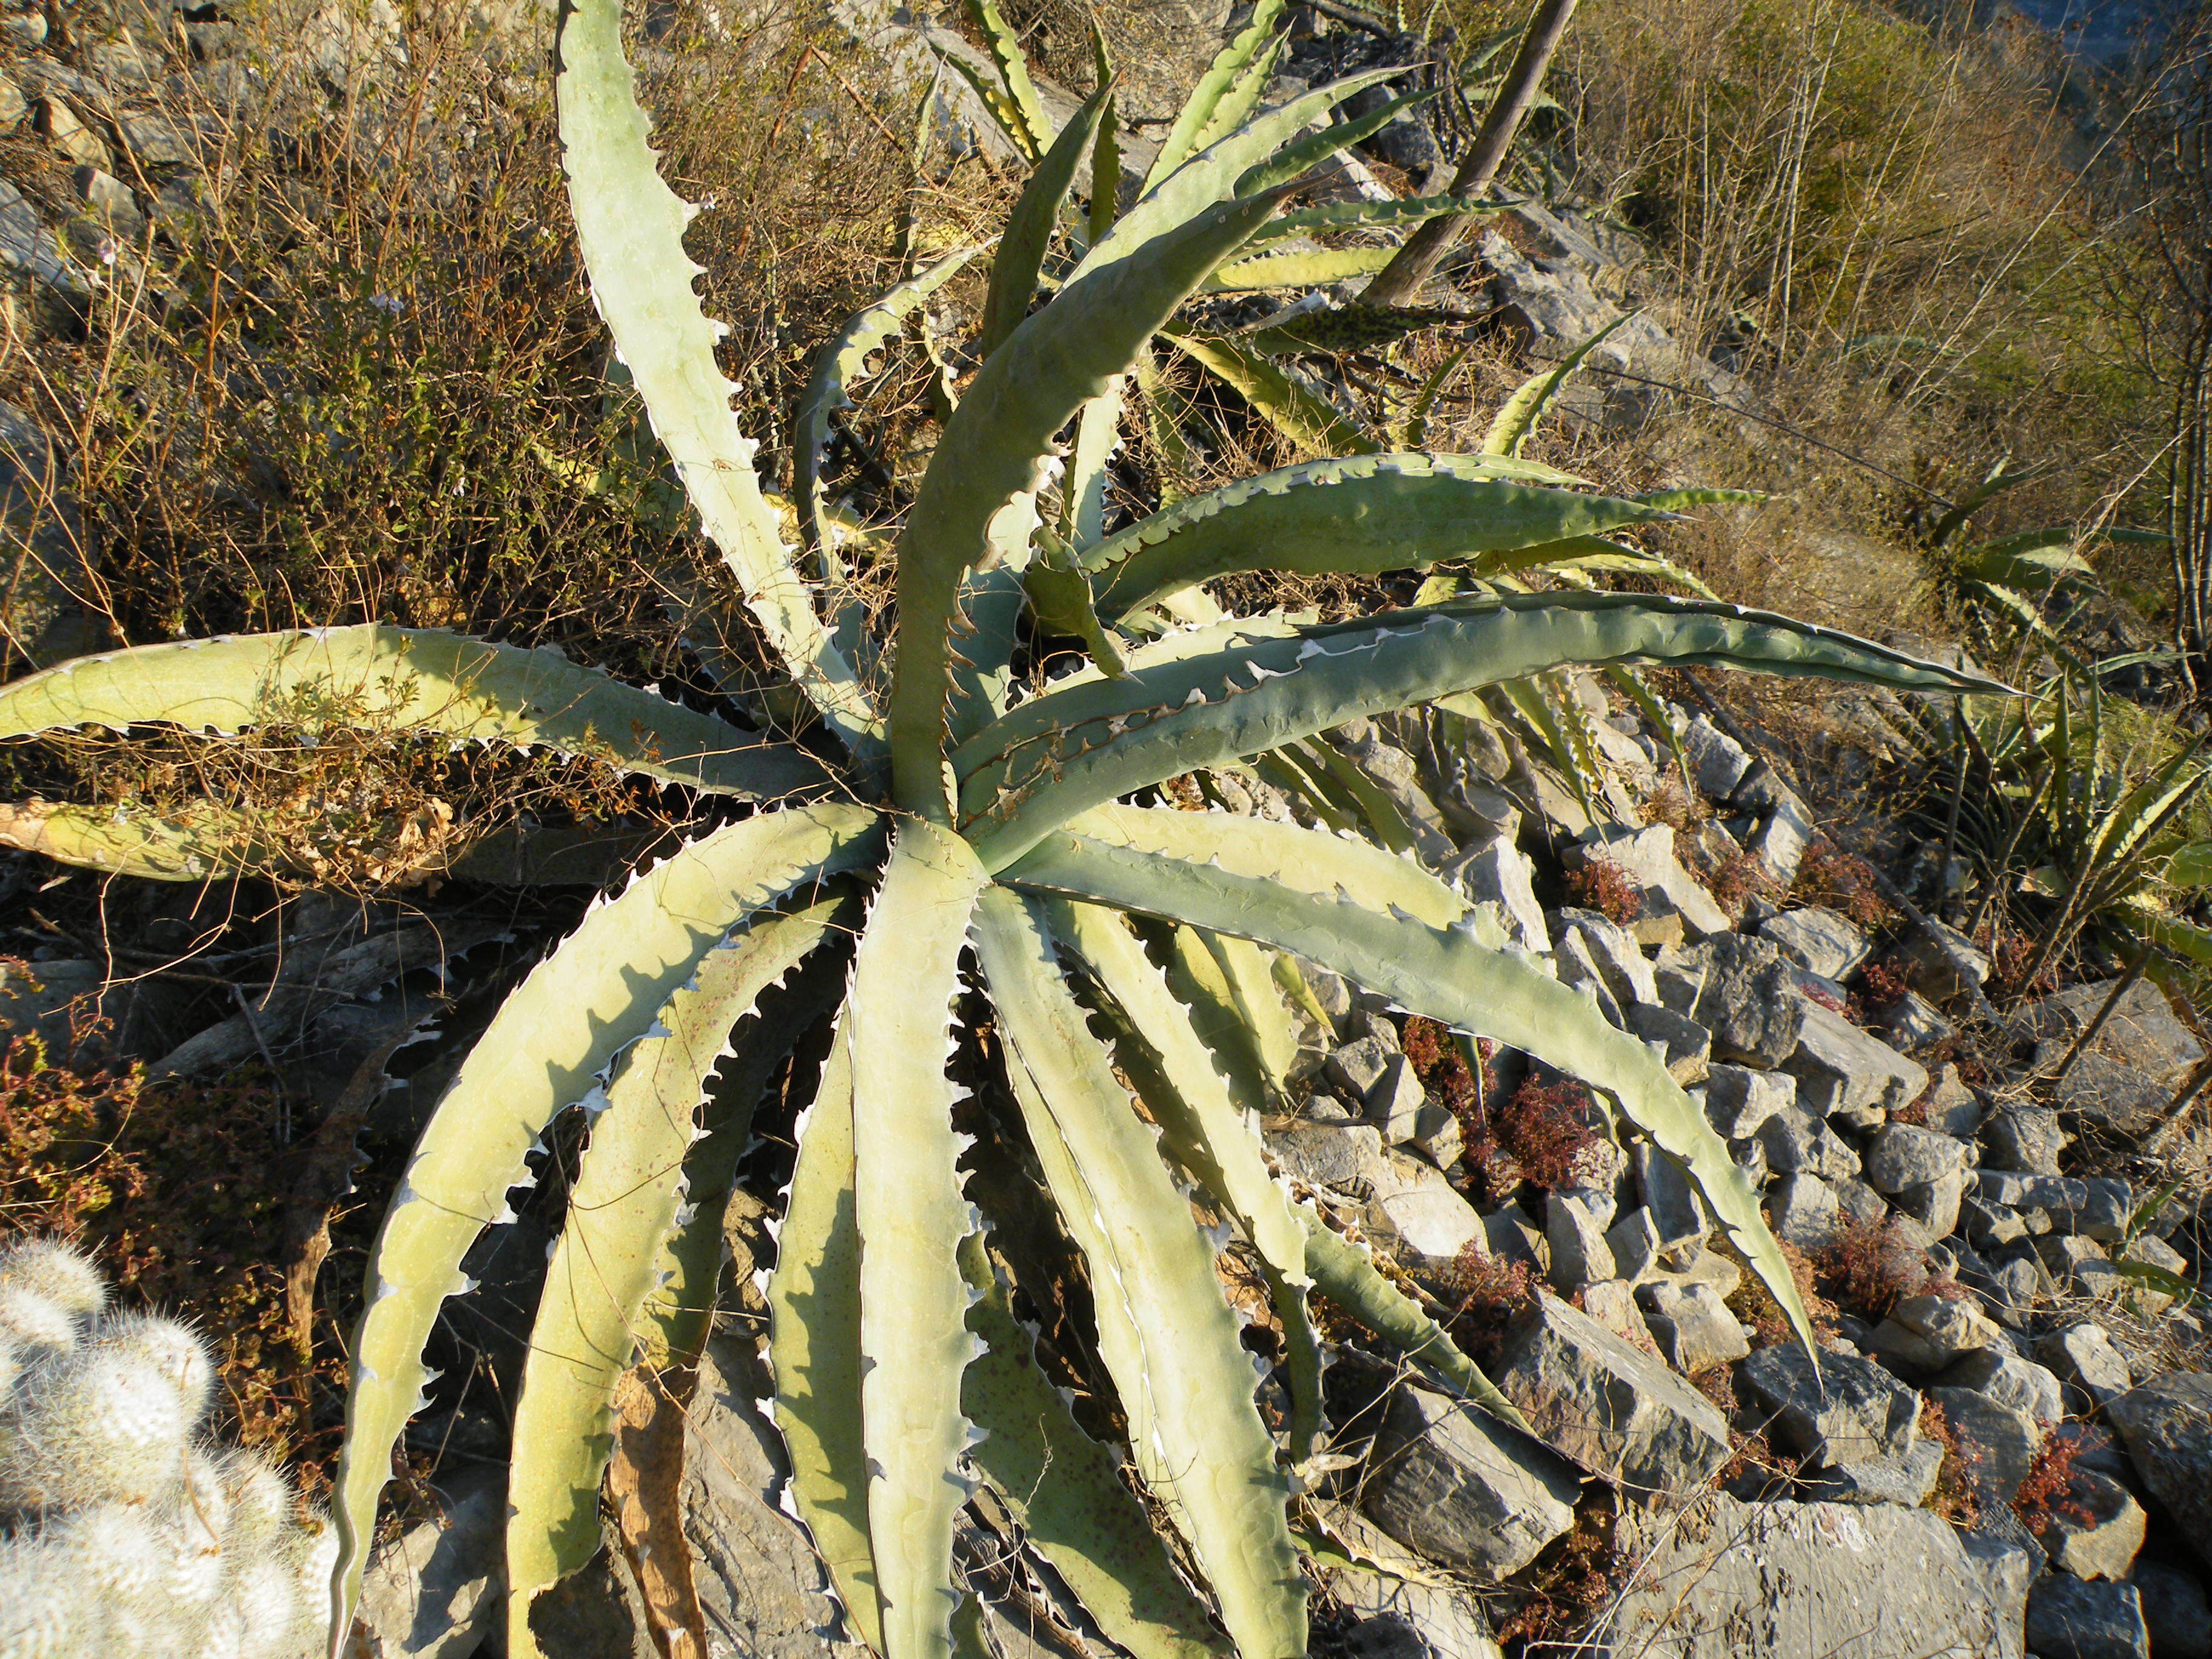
{"x":1346,"y":1274}
{"x":1221,"y":171}
{"x":1288,"y":405}
{"x":843,"y":359}
{"x":1066,"y":1490}
{"x":911,"y":1214}
{"x":1168,"y":1337}
{"x":630,"y":229}
{"x":1516,"y":422}
{"x":544,"y":1049}
{"x":1447,"y":974}
{"x":991,"y":458}
{"x":1363,"y":215}
{"x":673,"y":1326}
{"x":1177,"y":1079}
{"x":1363,"y":514}
{"x":1097,"y":433}
{"x":1090,"y":742}
{"x":628,"y":1189}
{"x":1029,"y":229}
{"x":1199,"y":110}
{"x":1031,"y":125}
{"x":1296,"y":158}
{"x":1297,"y":268}
{"x":814,"y":1343}
{"x":415,"y":678}
{"x":982,"y":670}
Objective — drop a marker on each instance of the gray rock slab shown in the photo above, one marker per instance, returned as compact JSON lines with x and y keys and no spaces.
{"x":1913,"y":1024}
{"x":1647,"y":855}
{"x":2142,"y":1031}
{"x":2175,"y":1610}
{"x":1815,"y":937}
{"x":1691,"y":1326}
{"x":2098,"y":1531}
{"x":1613,"y":950}
{"x":1923,"y":1334}
{"x":1936,"y":973}
{"x":1798,"y":1143}
{"x":2096,"y":1206}
{"x":1411,"y":1205}
{"x":1683,"y":1047}
{"x":2070,"y":1618}
{"x":1357,"y":1067}
{"x":2083,"y":1355}
{"x":1853,"y":1411}
{"x":1678,"y":1214}
{"x":1900,"y":1156}
{"x":1934,"y":1204}
{"x":1803,"y":1212}
{"x":2011,"y":1380}
{"x":1618,"y":1413}
{"x":2024,"y":1137}
{"x":2008,"y":1561}
{"x":1574,"y":1227}
{"x":1394,"y":1103}
{"x":1415,"y":1616}
{"x":1730,"y":1579}
{"x":1998,"y":1441}
{"x":1499,"y":875}
{"x":1781,"y":837}
{"x":1325,"y":1154}
{"x":1717,"y":760}
{"x":1634,"y":1242}
{"x":1840,"y":1068}
{"x":1749,"y":1001}
{"x":760,"y":1583}
{"x":1908,"y":1479}
{"x":1739,"y":1099}
{"x":2125,"y":1098}
{"x":1464,"y":1489}
{"x":434,"y":1591}
{"x":2166,"y":1427}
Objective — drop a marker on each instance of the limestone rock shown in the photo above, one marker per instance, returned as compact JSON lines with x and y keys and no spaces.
{"x":434,"y":1591}
{"x":1462,"y":1488}
{"x":2175,"y":1611}
{"x":1685,"y":1047}
{"x":1803,"y":1212}
{"x":2068,"y":1619}
{"x":2024,"y":1137}
{"x":1728,"y":1579}
{"x":1574,"y":1227}
{"x":1413,"y":1206}
{"x":1617,"y":1413}
{"x":1900,"y":1156}
{"x":1853,"y":1411}
{"x":1750,"y":1001}
{"x":2083,"y":1354}
{"x":1934,"y":973}
{"x":1691,"y":1326}
{"x":1497,"y":875}
{"x":1615,"y":952}
{"x":1908,"y":1478}
{"x":1326,"y":1154}
{"x":1934,"y":1204}
{"x":2097,"y":1206}
{"x":1817,"y":938}
{"x":1840,"y":1069}
{"x":1998,"y":1441}
{"x":1780,"y":841}
{"x":2142,"y":1031}
{"x":2009,"y":1380}
{"x":2097,"y":1532}
{"x":1738,"y":1099}
{"x":2166,"y":1426}
{"x":1924,"y":1334}
{"x":1797,"y":1143}
{"x":1648,"y":855}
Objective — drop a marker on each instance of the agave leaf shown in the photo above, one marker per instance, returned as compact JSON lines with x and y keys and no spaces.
{"x":630,"y":229}
{"x":814,"y":1343}
{"x":1998,"y":480}
{"x":842,"y":360}
{"x":1350,"y":328}
{"x":1185,"y":137}
{"x":1412,"y":431}
{"x":1242,"y":96}
{"x":991,"y":458}
{"x":1032,"y":126}
{"x":549,"y":1040}
{"x":1346,"y":1274}
{"x":411,"y":678}
{"x":1060,"y":599}
{"x":678,"y":1316}
{"x":1297,"y":268}
{"x":628,"y":1189}
{"x":1365,"y":514}
{"x":982,"y":668}
{"x":1248,"y":972}
{"x":1289,"y":405}
{"x":1029,"y":229}
{"x":1178,"y":1080}
{"x":1092,"y":742}
{"x":1303,"y":861}
{"x":1098,"y":432}
{"x":1202,"y":986}
{"x":1516,"y":422}
{"x":1363,"y":215}
{"x":1001,"y":108}
{"x":1168,"y":1339}
{"x":205,"y":842}
{"x":1446,"y":973}
{"x":1066,"y":1490}
{"x":1675,"y":500}
{"x":911,"y":1213}
{"x":1296,"y":158}
{"x":1217,"y":173}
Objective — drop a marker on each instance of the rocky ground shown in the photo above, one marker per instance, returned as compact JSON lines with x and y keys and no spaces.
{"x":2007,"y":1446}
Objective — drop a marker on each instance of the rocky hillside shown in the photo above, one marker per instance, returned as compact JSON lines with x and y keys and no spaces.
{"x":269,"y":276}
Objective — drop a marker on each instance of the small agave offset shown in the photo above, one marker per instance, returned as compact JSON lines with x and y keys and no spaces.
{"x":964,"y":841}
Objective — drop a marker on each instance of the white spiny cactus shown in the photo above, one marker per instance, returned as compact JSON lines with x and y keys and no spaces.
{"x":122,"y":1532}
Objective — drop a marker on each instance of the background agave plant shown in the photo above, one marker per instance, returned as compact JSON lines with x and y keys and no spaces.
{"x":962,"y":835}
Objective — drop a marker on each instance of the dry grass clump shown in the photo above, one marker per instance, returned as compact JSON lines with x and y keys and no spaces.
{"x":1954,"y":1497}
{"x":1755,"y":1305}
{"x":2047,"y":1490}
{"x":1602,"y":886}
{"x":1869,"y":1267}
{"x":1541,"y":1134}
{"x":1840,"y":881}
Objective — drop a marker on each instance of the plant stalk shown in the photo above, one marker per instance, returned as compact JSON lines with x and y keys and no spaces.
{"x":1424,"y":249}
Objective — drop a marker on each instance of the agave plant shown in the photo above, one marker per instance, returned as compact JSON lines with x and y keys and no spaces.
{"x":974,"y":824}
